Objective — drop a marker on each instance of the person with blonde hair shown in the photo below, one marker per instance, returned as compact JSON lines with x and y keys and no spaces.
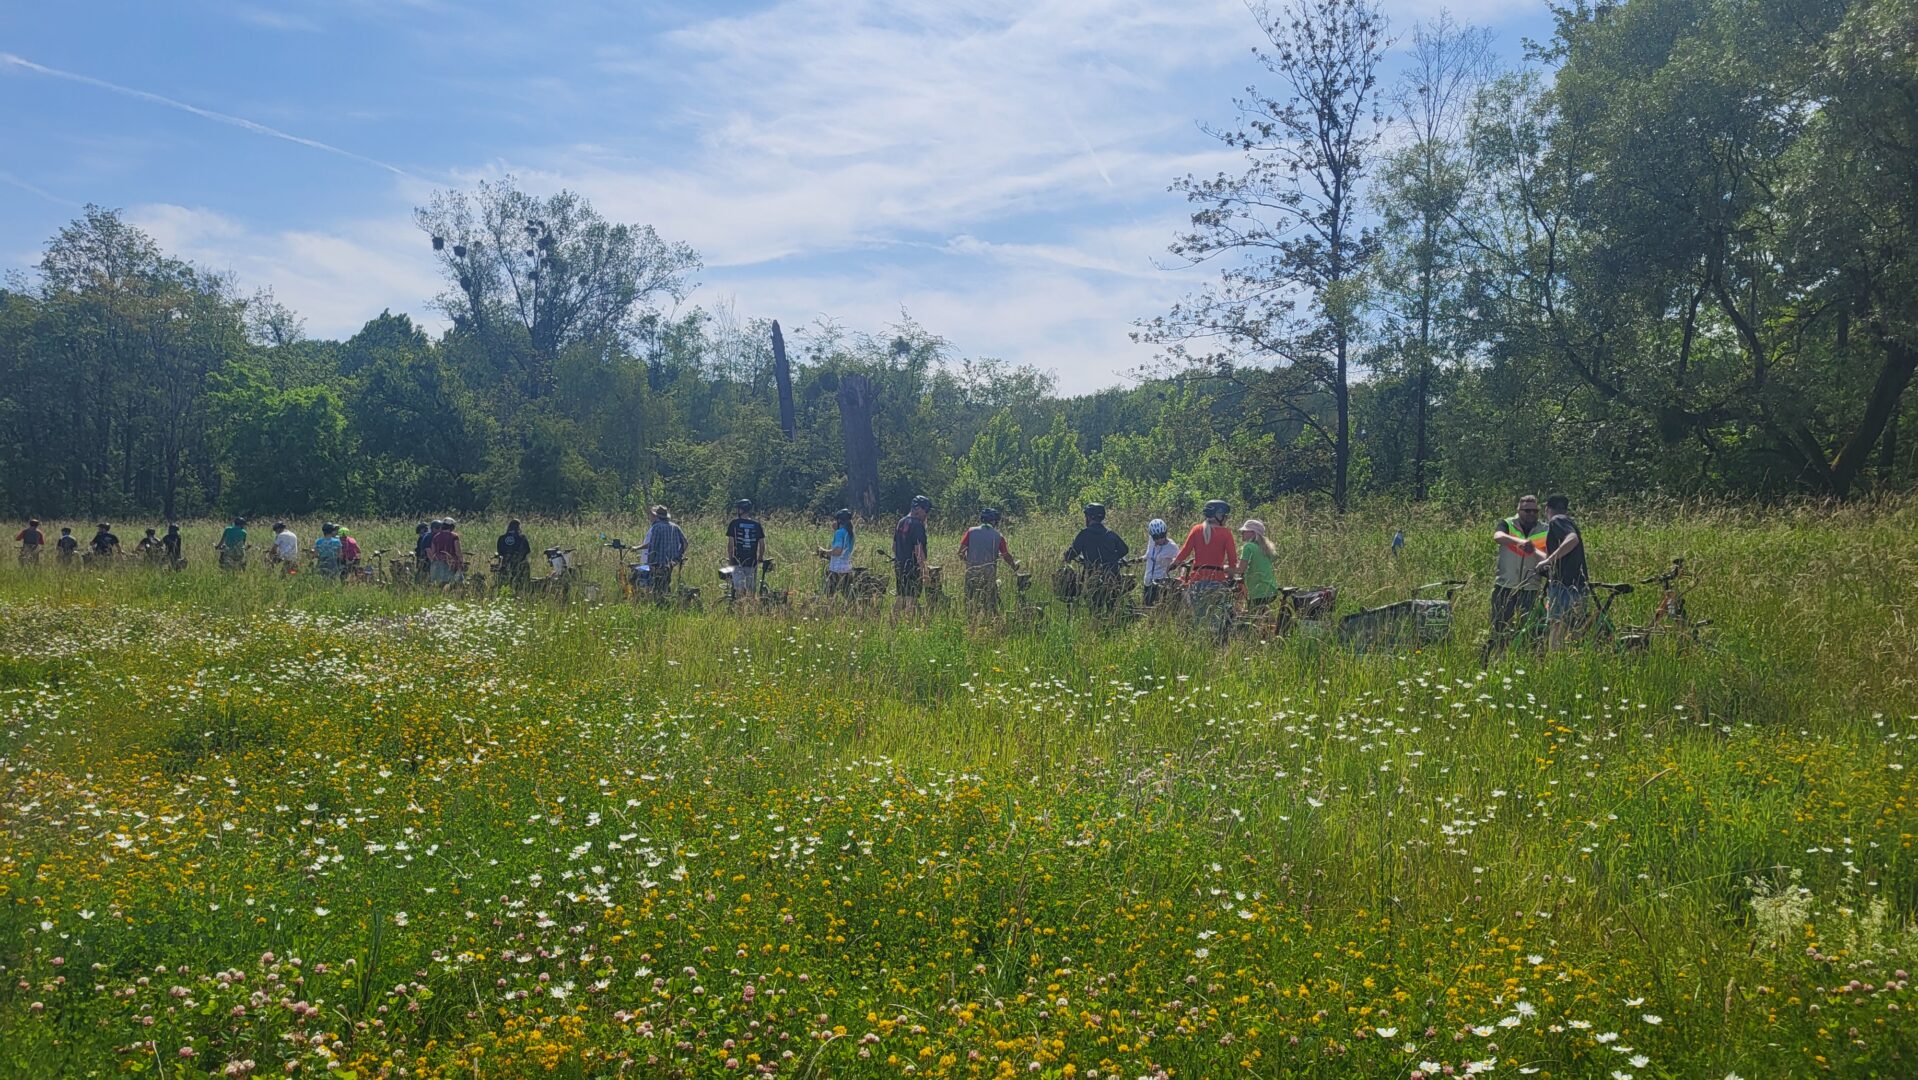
{"x":1260,"y":560}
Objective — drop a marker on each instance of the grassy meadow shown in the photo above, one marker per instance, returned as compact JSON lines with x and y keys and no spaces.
{"x":260,"y":825}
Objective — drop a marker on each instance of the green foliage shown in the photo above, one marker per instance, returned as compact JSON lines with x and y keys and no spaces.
{"x":283,"y":450}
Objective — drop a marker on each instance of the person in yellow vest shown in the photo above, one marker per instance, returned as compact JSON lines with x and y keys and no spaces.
{"x":1516,"y":584}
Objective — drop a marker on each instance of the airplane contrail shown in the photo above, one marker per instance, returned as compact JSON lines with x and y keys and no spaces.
{"x":14,"y":181}
{"x":10,"y":60}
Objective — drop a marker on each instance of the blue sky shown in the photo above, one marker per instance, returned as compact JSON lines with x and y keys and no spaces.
{"x":997,"y":168}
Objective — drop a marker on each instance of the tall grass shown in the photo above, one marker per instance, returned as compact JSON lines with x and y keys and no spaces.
{"x":497,"y":836}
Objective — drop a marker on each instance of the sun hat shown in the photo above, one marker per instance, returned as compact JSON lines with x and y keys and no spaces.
{"x":1253,"y":526}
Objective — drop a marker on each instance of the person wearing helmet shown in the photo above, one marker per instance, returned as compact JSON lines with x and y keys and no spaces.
{"x":1210,"y":552}
{"x":746,"y":549}
{"x":1100,"y":553}
{"x":909,"y":553}
{"x":349,"y":552}
{"x":104,"y":544}
{"x":1160,"y":552}
{"x":328,"y":550}
{"x":981,"y":550}
{"x":839,"y":556}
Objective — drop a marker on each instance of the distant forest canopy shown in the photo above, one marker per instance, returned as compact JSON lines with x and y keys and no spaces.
{"x":1677,"y":252}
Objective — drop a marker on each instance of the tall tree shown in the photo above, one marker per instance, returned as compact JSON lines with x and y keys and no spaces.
{"x":1420,"y":191}
{"x":1288,"y":227}
{"x":531,"y":276}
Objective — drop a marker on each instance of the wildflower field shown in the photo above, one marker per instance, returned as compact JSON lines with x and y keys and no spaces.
{"x":253,"y":825}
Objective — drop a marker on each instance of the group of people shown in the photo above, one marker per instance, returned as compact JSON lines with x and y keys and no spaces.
{"x":154,"y":548}
{"x":1540,"y":557}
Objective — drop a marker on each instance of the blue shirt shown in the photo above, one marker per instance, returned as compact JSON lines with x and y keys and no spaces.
{"x":842,"y":562}
{"x":328,"y":550}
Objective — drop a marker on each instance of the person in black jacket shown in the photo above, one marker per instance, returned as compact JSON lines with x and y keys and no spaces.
{"x":1100,"y":552}
{"x":515,"y":554}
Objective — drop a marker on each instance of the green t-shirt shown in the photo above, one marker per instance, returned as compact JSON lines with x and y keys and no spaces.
{"x":234,"y":538}
{"x":1261,"y":579}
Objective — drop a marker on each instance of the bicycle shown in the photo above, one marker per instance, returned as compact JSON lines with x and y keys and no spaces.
{"x":1670,"y":621}
{"x":1414,"y":623}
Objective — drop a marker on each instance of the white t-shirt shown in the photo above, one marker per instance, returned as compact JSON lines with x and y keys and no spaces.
{"x":1158,"y":559}
{"x":286,"y":545}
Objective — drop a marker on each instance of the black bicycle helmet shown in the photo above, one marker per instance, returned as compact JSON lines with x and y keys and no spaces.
{"x":1218,"y":508}
{"x":920,"y":502}
{"x":744,"y":506}
{"x":1095,"y":512}
{"x":989,"y":515}
{"x":842,"y":515}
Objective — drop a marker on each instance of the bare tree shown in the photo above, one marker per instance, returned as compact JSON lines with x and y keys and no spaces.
{"x":1286,"y":230}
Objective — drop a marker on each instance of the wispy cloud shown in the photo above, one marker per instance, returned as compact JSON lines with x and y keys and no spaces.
{"x":337,"y":278}
{"x":14,"y":181}
{"x":20,"y":63}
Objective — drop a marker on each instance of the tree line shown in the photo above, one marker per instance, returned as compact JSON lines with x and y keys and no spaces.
{"x":1675,"y":250}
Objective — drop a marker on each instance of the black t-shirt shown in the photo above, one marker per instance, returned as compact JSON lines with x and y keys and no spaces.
{"x":1099,"y":548}
{"x":171,"y":542}
{"x":908,"y":537}
{"x":1569,"y":570}
{"x":104,"y":543}
{"x":747,"y":537}
{"x":68,"y":543}
{"x":514,"y":547}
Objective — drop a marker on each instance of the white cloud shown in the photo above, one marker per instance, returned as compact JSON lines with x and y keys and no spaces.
{"x":336,"y":279}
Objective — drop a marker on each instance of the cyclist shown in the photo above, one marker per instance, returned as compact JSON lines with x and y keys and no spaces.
{"x":444,"y":550}
{"x":1209,"y":551}
{"x":1516,"y":583}
{"x":1100,"y":552}
{"x":31,"y":540}
{"x":150,"y":548}
{"x":326,"y":550}
{"x":232,"y":546}
{"x":422,"y":543}
{"x":1259,"y":558}
{"x":349,"y":551}
{"x":839,"y":556}
{"x":67,"y":546}
{"x":746,"y":549}
{"x":1160,"y":552}
{"x":174,"y":545}
{"x":104,"y":544}
{"x":515,"y":553}
{"x":286,"y":548}
{"x":981,"y":549}
{"x":909,"y":553}
{"x":1564,"y":563}
{"x":664,"y":549}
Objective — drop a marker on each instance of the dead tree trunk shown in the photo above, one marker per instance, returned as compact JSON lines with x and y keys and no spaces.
{"x":783,"y":375}
{"x":862,"y":448}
